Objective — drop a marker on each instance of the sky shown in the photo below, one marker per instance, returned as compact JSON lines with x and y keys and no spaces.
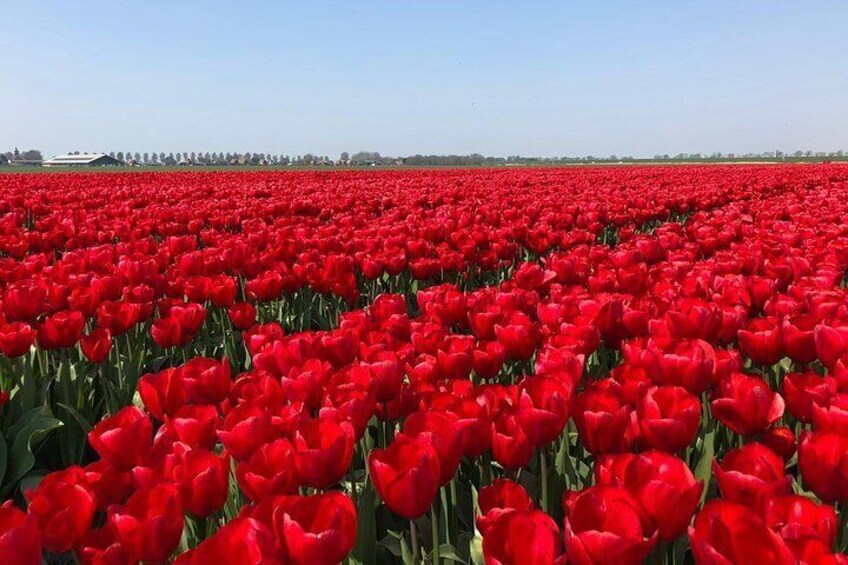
{"x":403,"y":77}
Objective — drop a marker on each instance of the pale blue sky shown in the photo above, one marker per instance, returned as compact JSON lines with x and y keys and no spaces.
{"x":401,"y":77}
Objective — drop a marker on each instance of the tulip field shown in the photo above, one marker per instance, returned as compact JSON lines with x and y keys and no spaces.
{"x":599,"y":365}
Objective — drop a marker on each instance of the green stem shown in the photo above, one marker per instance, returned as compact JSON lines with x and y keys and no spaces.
{"x":543,"y":468}
{"x":434,"y":526}
{"x":413,"y":533}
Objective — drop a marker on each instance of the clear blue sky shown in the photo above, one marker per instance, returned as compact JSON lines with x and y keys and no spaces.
{"x":401,"y":77}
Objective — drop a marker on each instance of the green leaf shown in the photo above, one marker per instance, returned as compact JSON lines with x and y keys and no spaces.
{"x":27,"y":439}
{"x":3,"y":458}
{"x":447,"y":551}
{"x":704,"y":469}
{"x":477,"y":551}
{"x":366,"y":535}
{"x":84,"y":425}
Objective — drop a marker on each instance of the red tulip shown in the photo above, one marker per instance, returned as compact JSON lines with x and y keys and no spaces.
{"x":727,"y":532}
{"x":315,"y":530}
{"x":823,"y":462}
{"x":544,"y":408}
{"x":831,"y":343}
{"x":243,"y":541}
{"x":500,"y":497}
{"x":206,"y":381}
{"x":16,"y":339}
{"x":522,"y":536}
{"x":761,"y":341}
{"x":167,"y":332}
{"x":662,"y":484}
{"x":752,"y":474}
{"x":603,"y":418}
{"x":163,"y":393}
{"x":203,"y":480}
{"x":102,"y":547}
{"x":746,"y":404}
{"x":20,"y":538}
{"x":669,"y":418}
{"x":797,"y":518}
{"x":151,"y":523}
{"x":474,"y":426}
{"x":195,"y":425}
{"x":510,"y":445}
{"x":604,"y":525}
{"x":269,"y":471}
{"x":803,"y":390}
{"x":323,"y":452}
{"x":406,"y":476}
{"x":63,"y":329}
{"x":242,"y":315}
{"x":64,"y":506}
{"x":781,"y":440}
{"x":24,"y":301}
{"x":96,"y":345}
{"x":687,"y":363}
{"x":518,"y":335}
{"x":833,"y":417}
{"x":798,"y":340}
{"x":439,"y":430}
{"x":109,"y":485}
{"x":125,"y":439}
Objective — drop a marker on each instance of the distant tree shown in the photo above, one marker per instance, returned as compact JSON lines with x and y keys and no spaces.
{"x":119,"y":156}
{"x":193,"y":156}
{"x":154,"y":158}
{"x":137,"y":157}
{"x":344,"y":157}
{"x":32,"y":155}
{"x":111,"y":154}
{"x":145,"y":158}
{"x":3,"y":159}
{"x":169,"y":160}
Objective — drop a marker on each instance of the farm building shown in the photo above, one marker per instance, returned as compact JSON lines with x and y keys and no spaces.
{"x":82,"y":160}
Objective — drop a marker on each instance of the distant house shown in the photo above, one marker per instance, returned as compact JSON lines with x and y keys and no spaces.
{"x":82,"y":160}
{"x":19,"y":159}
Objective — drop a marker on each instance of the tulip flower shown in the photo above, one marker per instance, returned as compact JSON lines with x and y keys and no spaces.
{"x":63,"y":505}
{"x":125,"y":439}
{"x":823,"y":462}
{"x":500,"y":497}
{"x":269,"y":471}
{"x":323,"y":452}
{"x":316,"y":530}
{"x":16,"y":339}
{"x":728,"y":532}
{"x":96,"y":345}
{"x":20,"y":537}
{"x":439,"y":429}
{"x":761,"y":341}
{"x":746,"y":404}
{"x":243,"y":541}
{"x":151,"y":523}
{"x":604,"y":525}
{"x":406,"y":475}
{"x":665,"y":488}
{"x":751,"y":474}
{"x":522,"y":536}
{"x":669,"y":418}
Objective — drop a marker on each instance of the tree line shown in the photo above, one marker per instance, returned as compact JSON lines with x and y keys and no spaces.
{"x":367,"y":158}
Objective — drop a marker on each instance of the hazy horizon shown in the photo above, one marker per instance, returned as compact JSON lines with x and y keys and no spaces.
{"x":553,"y":79}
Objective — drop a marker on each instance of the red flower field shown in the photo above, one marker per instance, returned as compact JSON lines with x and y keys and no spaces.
{"x":506,"y":366}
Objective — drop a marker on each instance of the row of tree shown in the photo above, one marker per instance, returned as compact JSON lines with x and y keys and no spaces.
{"x":27,"y":156}
{"x":364,"y":158}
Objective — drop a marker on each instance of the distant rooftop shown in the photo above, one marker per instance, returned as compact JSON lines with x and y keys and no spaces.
{"x":82,"y":159}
